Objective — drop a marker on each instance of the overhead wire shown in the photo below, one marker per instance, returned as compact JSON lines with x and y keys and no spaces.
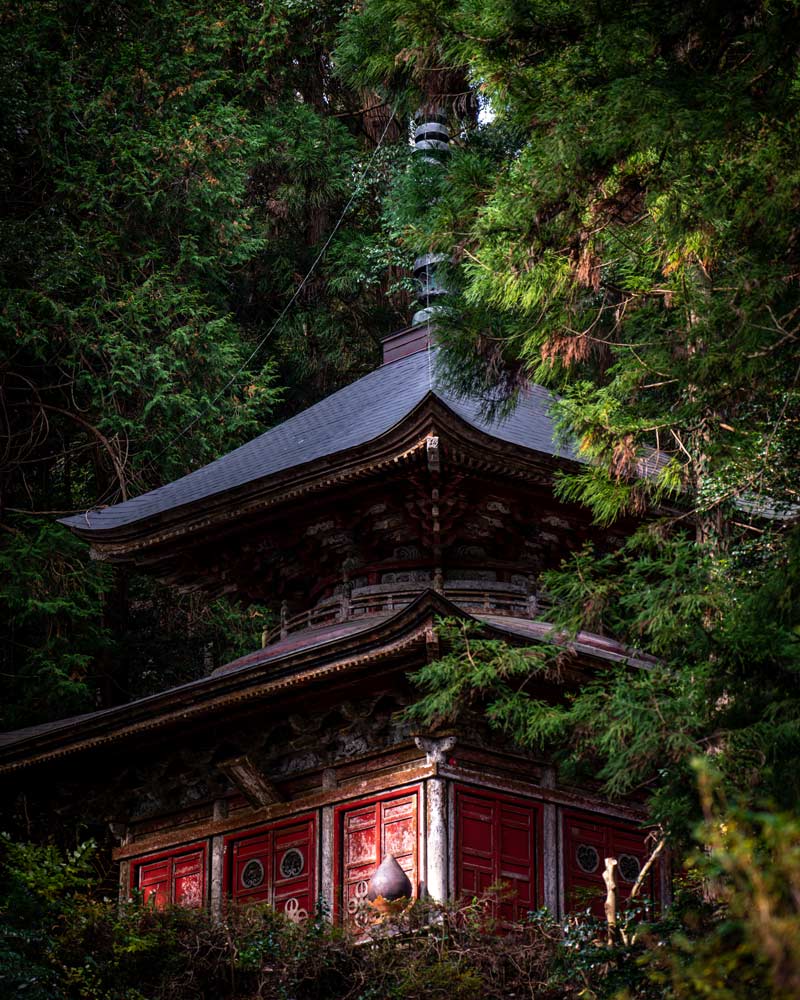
{"x":356,"y":192}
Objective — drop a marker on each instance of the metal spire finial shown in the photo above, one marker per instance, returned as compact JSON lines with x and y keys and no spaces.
{"x":432,"y":145}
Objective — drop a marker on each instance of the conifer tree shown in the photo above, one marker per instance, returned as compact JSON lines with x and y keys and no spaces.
{"x":169,"y":173}
{"x":624,"y":230}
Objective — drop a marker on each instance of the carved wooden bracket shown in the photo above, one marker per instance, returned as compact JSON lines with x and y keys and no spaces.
{"x":435,"y":749}
{"x":432,"y":452}
{"x":119,"y":831}
{"x":432,"y":649}
{"x":251,"y":781}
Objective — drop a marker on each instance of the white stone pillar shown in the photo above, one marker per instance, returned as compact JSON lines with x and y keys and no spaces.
{"x":327,"y":888}
{"x":437,"y":840}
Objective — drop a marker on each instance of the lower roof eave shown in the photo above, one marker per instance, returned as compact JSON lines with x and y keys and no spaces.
{"x":268,"y":674}
{"x":261,"y":675}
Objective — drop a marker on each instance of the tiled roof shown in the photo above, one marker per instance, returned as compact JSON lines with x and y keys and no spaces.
{"x":326,"y":645}
{"x":356,"y":415}
{"x":308,"y":640}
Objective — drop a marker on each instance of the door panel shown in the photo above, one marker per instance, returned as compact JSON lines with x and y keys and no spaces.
{"x":294,"y":863}
{"x":154,"y":883}
{"x":188,"y":880}
{"x":177,"y":878}
{"x":276,"y":865}
{"x":369,"y":832}
{"x":251,"y":866}
{"x":496,"y":843}
{"x":588,"y":841}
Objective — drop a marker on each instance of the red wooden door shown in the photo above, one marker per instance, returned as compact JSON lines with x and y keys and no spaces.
{"x":293,"y":868}
{"x":275,"y":865}
{"x":588,"y":841}
{"x":154,"y":882}
{"x":177,"y":878}
{"x":250,"y":864}
{"x":496,"y":843}
{"x":187,"y":879}
{"x":369,"y":832}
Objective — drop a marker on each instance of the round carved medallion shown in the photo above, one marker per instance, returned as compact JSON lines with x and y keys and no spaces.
{"x":292,"y":863}
{"x":252,"y":874}
{"x":629,"y":867}
{"x":587,"y":857}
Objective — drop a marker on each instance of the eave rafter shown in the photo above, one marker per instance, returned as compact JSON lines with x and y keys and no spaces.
{"x":152,"y":544}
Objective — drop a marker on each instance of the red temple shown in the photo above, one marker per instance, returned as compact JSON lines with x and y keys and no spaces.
{"x":289,"y":775}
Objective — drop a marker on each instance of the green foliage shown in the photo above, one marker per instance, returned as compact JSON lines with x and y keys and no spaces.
{"x":169,"y":174}
{"x":59,"y":940}
{"x":624,"y":230}
{"x":48,"y":592}
{"x":743,"y":938}
{"x":623,"y":226}
{"x":720,"y":674}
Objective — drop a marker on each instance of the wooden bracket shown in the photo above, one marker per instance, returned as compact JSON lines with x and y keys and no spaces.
{"x":251,"y":781}
{"x":433,"y":454}
{"x":432,"y":650}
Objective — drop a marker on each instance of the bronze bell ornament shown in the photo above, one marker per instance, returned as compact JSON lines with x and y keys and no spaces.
{"x":389,"y":888}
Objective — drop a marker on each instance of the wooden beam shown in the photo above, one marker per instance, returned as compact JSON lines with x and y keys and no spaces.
{"x":247,"y":817}
{"x":251,"y":781}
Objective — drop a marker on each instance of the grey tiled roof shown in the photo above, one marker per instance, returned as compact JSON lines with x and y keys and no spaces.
{"x":354,"y":416}
{"x":326,"y":641}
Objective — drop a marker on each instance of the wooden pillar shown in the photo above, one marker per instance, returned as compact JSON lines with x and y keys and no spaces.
{"x":422,"y":841}
{"x":436,"y":813}
{"x":550,"y":857}
{"x":216,"y":867}
{"x":216,"y":862}
{"x":124,"y":882}
{"x":550,"y":843}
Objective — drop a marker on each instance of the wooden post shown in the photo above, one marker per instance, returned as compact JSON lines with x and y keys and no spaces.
{"x":327,"y":893}
{"x":610,"y":879}
{"x":284,"y":618}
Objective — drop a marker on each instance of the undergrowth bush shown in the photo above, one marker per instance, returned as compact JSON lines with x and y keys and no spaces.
{"x":59,"y":941}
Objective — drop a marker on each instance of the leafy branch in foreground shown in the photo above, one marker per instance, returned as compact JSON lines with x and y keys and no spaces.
{"x":714,"y":669}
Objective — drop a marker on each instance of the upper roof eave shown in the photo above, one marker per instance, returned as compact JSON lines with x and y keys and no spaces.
{"x":270,"y":489}
{"x":430,"y":414}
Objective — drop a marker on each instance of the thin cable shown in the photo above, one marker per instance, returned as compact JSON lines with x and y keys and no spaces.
{"x":298,"y":290}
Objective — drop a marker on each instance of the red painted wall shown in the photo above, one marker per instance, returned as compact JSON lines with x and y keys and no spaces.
{"x":588,"y":841}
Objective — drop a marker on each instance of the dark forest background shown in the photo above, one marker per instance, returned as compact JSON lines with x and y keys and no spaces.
{"x":169,"y":174}
{"x":621,"y":210}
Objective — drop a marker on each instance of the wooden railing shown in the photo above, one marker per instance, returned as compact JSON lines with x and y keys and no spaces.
{"x":489,"y":598}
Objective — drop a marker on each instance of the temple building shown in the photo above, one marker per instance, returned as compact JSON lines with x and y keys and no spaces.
{"x":289,"y":775}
